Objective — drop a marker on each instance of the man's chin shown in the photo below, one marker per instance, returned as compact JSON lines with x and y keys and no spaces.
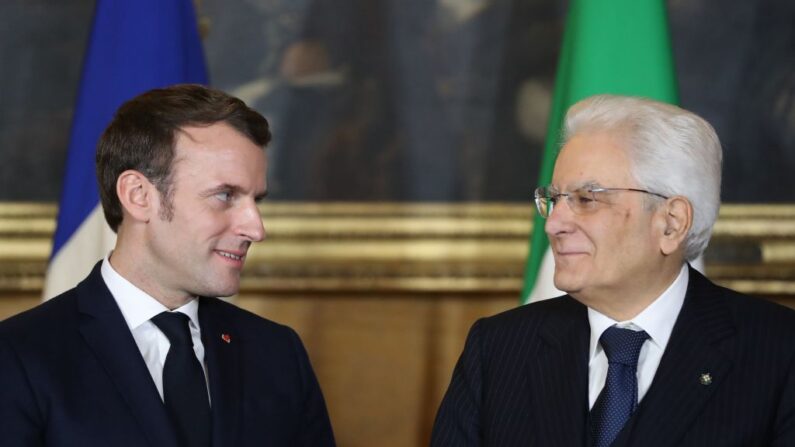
{"x":228,"y":292}
{"x":566,"y":282}
{"x":220,"y":290}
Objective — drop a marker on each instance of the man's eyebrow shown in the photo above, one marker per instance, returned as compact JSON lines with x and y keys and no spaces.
{"x":224,"y":187}
{"x":229,"y":187}
{"x":261,"y":196}
{"x":579,"y":185}
{"x":588,"y":184}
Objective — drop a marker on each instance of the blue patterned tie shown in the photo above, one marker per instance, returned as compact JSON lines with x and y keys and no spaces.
{"x":619,"y":397}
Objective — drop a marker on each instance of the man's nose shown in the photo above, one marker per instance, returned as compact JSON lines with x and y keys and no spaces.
{"x":250,"y":224}
{"x":560,"y":219}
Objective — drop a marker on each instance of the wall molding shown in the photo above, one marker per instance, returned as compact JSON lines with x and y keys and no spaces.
{"x":418,"y":248}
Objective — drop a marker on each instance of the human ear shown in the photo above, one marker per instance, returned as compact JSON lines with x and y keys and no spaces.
{"x":677,"y":220}
{"x":135,"y":193}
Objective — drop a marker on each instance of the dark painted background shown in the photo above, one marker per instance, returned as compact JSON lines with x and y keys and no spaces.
{"x":418,"y":100}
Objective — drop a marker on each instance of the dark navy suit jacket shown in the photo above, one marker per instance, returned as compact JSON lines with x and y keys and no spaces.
{"x":726,"y":378}
{"x":72,"y":375}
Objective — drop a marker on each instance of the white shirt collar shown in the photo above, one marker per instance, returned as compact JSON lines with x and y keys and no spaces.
{"x":137,"y":306}
{"x":657,"y":319}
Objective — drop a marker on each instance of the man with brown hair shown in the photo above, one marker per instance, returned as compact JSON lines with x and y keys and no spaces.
{"x":141,"y":352}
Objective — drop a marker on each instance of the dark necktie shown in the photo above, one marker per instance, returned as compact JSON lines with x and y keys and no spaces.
{"x":619,"y":397}
{"x":184,"y":386}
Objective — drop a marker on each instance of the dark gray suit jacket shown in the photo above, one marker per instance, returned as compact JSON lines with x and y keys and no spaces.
{"x":523,"y":377}
{"x":71,"y":375}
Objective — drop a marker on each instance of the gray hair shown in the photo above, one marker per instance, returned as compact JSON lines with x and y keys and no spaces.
{"x":672,"y":152}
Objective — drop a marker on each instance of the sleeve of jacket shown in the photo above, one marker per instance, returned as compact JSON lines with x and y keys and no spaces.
{"x":20,"y":421}
{"x":316,"y":428}
{"x":458,"y":419}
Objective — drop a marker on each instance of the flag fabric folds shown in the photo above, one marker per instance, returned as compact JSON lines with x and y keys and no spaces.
{"x":609,"y":46}
{"x":134,"y":46}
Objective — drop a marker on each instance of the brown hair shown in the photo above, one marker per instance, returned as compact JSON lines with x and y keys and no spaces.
{"x":143,"y":133}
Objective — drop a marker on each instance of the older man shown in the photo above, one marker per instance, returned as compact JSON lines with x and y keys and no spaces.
{"x":643,"y":351}
{"x":141,"y":353}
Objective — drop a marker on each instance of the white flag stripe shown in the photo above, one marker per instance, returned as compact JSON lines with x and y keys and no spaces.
{"x":90,"y":243}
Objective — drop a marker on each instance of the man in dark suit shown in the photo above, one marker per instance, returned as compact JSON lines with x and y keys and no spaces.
{"x":643,"y":351}
{"x":141,"y":353}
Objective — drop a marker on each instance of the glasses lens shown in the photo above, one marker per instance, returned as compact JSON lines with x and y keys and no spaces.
{"x":583,"y":200}
{"x":543,"y":204}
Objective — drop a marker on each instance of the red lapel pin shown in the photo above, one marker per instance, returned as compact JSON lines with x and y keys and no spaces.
{"x":226,"y":337}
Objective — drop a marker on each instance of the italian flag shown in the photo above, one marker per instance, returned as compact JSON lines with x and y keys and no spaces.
{"x":609,"y":46}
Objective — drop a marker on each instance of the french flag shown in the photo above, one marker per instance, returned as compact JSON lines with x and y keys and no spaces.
{"x":134,"y":46}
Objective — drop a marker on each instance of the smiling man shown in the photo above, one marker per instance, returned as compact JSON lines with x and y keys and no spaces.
{"x":141,"y":353}
{"x":643,"y":350}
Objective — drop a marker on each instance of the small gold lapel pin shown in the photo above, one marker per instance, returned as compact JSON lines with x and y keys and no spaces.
{"x":226,"y":337}
{"x":705,"y":379}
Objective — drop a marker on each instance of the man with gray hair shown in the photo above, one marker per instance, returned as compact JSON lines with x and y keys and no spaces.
{"x":643,"y":350}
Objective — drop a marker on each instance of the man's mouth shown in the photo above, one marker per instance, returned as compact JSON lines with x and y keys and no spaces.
{"x":569,"y":252}
{"x":237,"y":257}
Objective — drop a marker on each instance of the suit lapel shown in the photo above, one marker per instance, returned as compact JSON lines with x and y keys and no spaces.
{"x":558,"y":378}
{"x":106,"y":333}
{"x":222,"y":345}
{"x":692,"y":368}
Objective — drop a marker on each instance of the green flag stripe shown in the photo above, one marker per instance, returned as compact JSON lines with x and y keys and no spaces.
{"x":609,"y":46}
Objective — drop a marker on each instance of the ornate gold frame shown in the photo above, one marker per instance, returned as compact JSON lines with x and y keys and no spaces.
{"x":419,"y":248}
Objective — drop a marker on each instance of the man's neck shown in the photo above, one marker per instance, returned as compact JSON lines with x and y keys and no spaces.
{"x":120,"y":261}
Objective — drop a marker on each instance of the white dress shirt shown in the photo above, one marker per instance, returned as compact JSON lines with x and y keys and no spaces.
{"x":138,"y":308}
{"x":657,"y":320}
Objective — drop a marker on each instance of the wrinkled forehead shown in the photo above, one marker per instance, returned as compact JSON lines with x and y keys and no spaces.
{"x":218,"y":149}
{"x":593,"y":159}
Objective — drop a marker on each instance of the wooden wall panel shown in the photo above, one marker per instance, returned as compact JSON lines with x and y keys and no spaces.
{"x":384,"y":294}
{"x":384,"y":361}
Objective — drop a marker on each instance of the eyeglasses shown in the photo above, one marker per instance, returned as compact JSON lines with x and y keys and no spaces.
{"x":580,"y":201}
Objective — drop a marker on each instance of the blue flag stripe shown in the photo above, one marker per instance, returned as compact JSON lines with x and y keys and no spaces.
{"x":134,"y":46}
